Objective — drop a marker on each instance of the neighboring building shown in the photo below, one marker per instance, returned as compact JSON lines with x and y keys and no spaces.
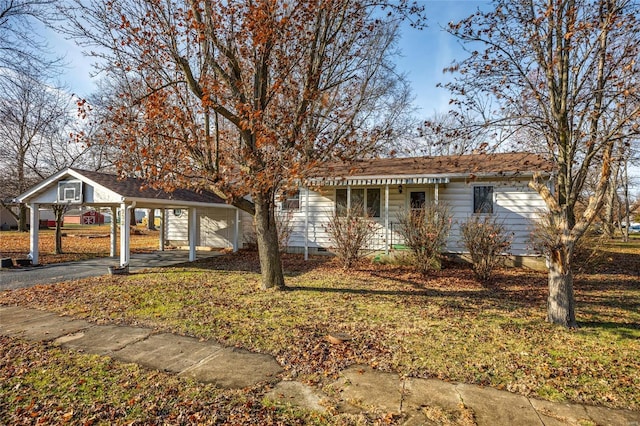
{"x":8,"y":220}
{"x":493,"y":184}
{"x":84,"y":217}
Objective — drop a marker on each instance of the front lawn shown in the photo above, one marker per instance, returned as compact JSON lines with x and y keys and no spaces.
{"x":78,"y":242}
{"x":446,"y":326}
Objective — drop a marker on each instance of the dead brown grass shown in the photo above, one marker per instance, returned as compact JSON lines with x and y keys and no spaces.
{"x":78,"y":242}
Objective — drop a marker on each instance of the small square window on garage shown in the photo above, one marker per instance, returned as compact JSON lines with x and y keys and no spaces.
{"x":483,"y":199}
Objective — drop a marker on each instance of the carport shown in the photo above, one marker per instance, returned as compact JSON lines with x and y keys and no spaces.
{"x":94,"y":189}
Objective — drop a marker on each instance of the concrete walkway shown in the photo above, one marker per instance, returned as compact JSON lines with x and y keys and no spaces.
{"x":11,"y":279}
{"x":359,"y":389}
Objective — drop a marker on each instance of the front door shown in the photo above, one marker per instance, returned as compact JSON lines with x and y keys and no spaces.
{"x":417,"y":199}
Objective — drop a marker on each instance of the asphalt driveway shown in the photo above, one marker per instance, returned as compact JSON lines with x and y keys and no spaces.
{"x":47,"y":274}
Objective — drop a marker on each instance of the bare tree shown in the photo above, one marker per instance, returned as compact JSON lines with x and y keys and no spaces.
{"x":566,"y":73}
{"x":21,"y":47}
{"x":293,"y":84}
{"x":448,"y":134}
{"x":32,"y":115}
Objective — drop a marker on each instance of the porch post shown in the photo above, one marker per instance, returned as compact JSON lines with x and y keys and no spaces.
{"x":163,"y":216}
{"x":386,"y":218}
{"x":34,"y":220}
{"x":306,"y":224}
{"x":435,"y":193}
{"x":125,"y":218}
{"x":349,"y":198}
{"x":192,"y":233}
{"x":113,"y":233}
{"x":236,"y":230}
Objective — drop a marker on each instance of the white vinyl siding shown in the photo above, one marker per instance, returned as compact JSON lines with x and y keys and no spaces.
{"x":515,"y":205}
{"x":215,"y":227}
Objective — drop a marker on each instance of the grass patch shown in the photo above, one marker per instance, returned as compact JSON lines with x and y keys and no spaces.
{"x":445,"y":326}
{"x":80,"y":242}
{"x":45,"y":385}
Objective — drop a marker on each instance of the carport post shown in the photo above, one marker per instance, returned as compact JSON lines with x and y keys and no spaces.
{"x":192,"y":234}
{"x":34,"y":218}
{"x":112,"y":250}
{"x":163,"y":215}
{"x":125,"y":218}
{"x":236,"y":230}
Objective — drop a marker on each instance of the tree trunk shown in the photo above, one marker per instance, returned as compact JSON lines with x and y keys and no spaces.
{"x":561,"y":302}
{"x":151,"y":217}
{"x":59,"y":212}
{"x":22,"y":218}
{"x":608,"y":226}
{"x":267,"y":236}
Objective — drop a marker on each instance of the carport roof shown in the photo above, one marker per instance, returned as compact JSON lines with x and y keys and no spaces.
{"x":133,"y":188}
{"x":125,"y":190}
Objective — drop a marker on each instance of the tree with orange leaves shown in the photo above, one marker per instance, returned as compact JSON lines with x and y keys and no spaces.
{"x":245,"y":98}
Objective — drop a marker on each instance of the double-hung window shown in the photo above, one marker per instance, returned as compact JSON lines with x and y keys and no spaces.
{"x":483,"y":199}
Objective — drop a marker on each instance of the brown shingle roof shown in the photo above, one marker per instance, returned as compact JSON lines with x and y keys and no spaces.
{"x":131,"y":188}
{"x":507,"y":163}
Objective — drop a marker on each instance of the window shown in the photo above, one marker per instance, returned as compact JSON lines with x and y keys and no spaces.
{"x":373,"y":202}
{"x":357,"y":201}
{"x":292,"y":201}
{"x":417,"y":200}
{"x":483,"y":199}
{"x":360,"y":198}
{"x":341,"y":202}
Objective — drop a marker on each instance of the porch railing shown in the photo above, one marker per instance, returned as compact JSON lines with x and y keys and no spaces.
{"x":378,"y":241}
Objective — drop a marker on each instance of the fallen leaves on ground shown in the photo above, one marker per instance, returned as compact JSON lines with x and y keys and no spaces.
{"x":41,"y":384}
{"x":445,"y":325}
{"x":78,"y":243}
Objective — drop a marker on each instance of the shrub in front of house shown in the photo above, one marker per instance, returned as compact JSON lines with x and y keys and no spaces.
{"x":486,"y":240}
{"x":350,"y":230}
{"x":425,"y":231}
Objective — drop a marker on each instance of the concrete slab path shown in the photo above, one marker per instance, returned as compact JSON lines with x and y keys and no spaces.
{"x":359,"y":389}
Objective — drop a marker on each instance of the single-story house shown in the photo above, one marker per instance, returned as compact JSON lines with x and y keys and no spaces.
{"x":488,"y":184}
{"x":7,"y":219}
{"x":478,"y":184}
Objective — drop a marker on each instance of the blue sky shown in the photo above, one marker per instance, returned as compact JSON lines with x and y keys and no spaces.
{"x":427,"y":52}
{"x":424,"y":54}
